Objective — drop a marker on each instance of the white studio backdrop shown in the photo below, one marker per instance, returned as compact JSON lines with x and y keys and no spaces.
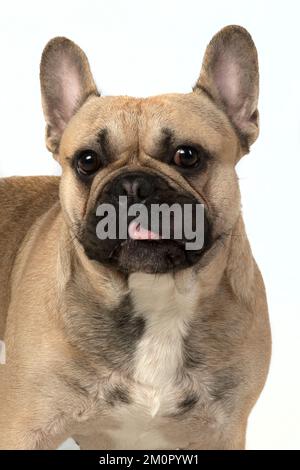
{"x":150,"y":47}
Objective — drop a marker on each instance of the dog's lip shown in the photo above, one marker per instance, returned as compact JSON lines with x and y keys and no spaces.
{"x":147,"y":243}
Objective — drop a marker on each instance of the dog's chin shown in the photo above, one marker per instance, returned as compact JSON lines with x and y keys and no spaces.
{"x":154,"y":257}
{"x":148,"y":256}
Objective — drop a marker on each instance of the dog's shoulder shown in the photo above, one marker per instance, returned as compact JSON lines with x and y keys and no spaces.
{"x":22,"y":201}
{"x":16,"y":192}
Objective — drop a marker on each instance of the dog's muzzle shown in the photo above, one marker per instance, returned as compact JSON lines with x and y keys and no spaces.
{"x":142,"y":223}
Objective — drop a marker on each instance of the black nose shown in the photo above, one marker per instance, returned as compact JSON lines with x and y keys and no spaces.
{"x":137,"y":186}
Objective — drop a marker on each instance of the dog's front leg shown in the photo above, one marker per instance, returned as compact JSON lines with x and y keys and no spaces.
{"x":28,"y":419}
{"x":17,"y":436}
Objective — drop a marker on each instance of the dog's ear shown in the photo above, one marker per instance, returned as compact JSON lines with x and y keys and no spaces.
{"x":230,"y":77}
{"x":66,"y":82}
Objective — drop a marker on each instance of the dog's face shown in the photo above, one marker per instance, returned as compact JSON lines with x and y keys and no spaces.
{"x":177,"y":148}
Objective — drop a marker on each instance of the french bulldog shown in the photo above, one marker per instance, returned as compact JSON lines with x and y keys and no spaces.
{"x":134,"y":343}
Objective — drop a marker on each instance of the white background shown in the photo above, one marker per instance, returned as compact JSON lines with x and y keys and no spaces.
{"x":149,"y":47}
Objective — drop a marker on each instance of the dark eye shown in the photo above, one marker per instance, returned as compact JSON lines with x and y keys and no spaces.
{"x":88,"y":162}
{"x":186,"y":157}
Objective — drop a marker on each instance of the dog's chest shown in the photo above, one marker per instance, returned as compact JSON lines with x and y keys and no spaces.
{"x":160,"y":385}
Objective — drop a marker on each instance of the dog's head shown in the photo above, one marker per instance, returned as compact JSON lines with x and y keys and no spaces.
{"x":177,"y":148}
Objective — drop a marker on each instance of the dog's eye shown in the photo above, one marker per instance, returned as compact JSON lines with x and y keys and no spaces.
{"x":186,"y":157}
{"x":88,"y":162}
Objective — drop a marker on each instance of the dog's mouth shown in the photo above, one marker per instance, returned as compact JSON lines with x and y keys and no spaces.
{"x":144,"y":249}
{"x":168,"y":231}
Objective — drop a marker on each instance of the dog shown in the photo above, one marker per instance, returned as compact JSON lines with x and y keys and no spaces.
{"x":135,"y":343}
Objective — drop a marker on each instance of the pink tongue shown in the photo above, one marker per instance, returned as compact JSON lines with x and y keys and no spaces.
{"x":136,"y":232}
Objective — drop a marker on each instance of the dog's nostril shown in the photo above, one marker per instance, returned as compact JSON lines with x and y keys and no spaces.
{"x":143,"y":188}
{"x":127,"y":188}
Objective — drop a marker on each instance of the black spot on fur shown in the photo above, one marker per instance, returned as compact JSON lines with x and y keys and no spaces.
{"x":188,"y":403}
{"x":118,"y":393}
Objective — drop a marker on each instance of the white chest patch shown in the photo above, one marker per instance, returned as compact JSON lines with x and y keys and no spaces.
{"x":157,"y":385}
{"x":159,"y":354}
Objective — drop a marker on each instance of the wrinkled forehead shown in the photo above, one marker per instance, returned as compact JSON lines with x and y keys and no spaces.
{"x":137,"y":125}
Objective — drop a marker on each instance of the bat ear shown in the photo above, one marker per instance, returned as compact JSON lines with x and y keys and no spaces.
{"x":66,"y":82}
{"x":230,"y":76}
